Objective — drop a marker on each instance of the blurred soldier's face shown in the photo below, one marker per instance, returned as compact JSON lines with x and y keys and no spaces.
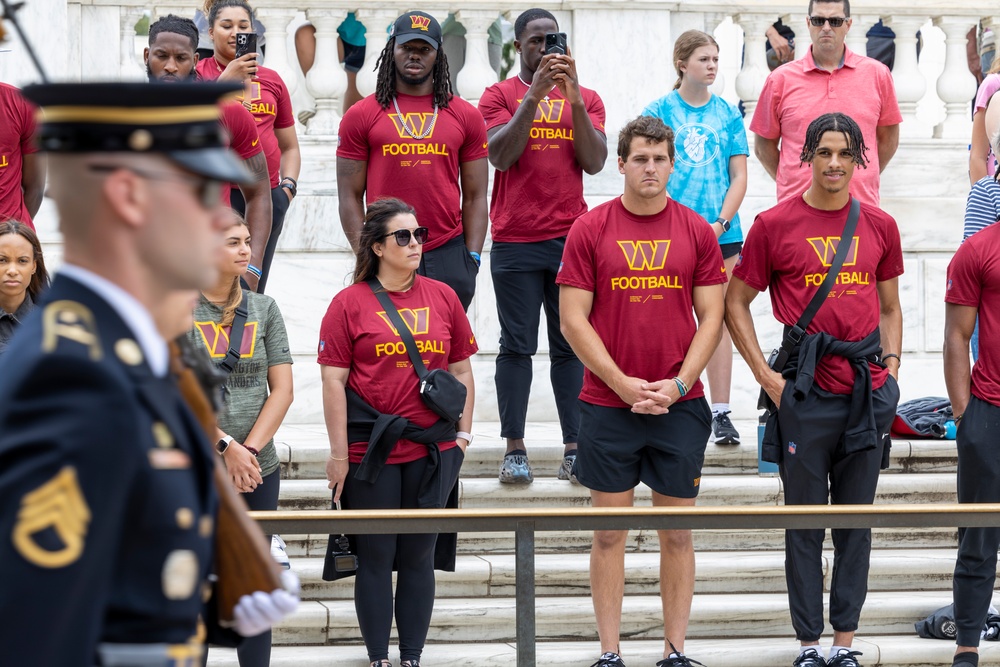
{"x":170,"y":58}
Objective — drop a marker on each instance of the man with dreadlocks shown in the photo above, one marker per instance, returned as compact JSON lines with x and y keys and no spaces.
{"x":837,"y":395}
{"x":413,"y":139}
{"x":830,"y":77}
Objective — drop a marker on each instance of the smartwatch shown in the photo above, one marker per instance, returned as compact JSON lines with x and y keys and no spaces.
{"x":464,"y":436}
{"x":223,"y":444}
{"x":725,"y":224}
{"x":289,"y":184}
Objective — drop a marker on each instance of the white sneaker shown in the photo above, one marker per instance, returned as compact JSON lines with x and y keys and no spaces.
{"x":278,"y":552}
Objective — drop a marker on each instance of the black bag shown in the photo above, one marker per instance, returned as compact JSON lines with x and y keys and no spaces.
{"x":770,"y":450}
{"x":441,"y":391}
{"x":941,"y":625}
{"x":340,"y":561}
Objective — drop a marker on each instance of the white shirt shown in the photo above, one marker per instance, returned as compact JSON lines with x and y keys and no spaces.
{"x":133,"y":313}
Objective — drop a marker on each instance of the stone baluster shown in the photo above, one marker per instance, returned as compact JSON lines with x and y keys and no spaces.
{"x":857,"y":37}
{"x":750,"y":80}
{"x":327,"y":80}
{"x":477,"y":74}
{"x":276,"y":20}
{"x":133,"y":68}
{"x":375,"y":21}
{"x":712,"y":21}
{"x":797,"y":22}
{"x":956,"y":85}
{"x":906,"y":74}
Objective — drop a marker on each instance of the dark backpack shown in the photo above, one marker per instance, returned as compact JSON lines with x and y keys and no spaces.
{"x":941,"y":625}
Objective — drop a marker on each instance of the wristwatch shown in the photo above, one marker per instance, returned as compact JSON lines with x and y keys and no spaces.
{"x":290,"y":184}
{"x":223,"y":444}
{"x":725,"y":224}
{"x":464,"y":436}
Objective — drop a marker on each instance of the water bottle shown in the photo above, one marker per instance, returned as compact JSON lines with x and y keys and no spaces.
{"x":950,"y":429}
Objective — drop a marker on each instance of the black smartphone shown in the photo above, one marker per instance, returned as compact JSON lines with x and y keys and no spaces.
{"x":555,"y":42}
{"x":246,"y":42}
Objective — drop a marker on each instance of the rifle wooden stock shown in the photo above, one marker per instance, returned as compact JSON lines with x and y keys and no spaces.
{"x":243,"y":562}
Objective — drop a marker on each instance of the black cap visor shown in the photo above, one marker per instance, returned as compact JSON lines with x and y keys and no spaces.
{"x":216,"y":163}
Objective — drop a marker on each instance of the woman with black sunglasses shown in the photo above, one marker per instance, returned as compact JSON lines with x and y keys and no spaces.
{"x":364,"y":363}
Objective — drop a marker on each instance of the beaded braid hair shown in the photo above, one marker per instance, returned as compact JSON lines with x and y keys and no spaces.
{"x":385,"y":88}
{"x":835,"y":122}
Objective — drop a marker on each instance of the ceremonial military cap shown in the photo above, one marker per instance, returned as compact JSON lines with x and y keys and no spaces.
{"x":180,"y":121}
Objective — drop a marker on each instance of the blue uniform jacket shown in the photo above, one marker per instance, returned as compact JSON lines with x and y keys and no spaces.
{"x":107,"y":507}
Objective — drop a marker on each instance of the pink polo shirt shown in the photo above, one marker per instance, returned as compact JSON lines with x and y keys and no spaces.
{"x":797,"y":93}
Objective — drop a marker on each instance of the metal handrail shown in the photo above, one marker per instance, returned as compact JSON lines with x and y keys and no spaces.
{"x":524,"y":523}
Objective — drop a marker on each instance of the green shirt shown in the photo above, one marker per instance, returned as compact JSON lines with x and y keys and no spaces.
{"x":264,"y":344}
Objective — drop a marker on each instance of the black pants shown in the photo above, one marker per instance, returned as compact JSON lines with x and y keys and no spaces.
{"x":411,"y":555}
{"x":453,"y":265}
{"x":524,"y":279}
{"x":256,"y":651}
{"x":815,"y":470}
{"x":279,"y":207}
{"x":978,"y":482}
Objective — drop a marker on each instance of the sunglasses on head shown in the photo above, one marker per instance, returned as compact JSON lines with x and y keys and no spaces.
{"x":835,"y":21}
{"x":403,"y":236}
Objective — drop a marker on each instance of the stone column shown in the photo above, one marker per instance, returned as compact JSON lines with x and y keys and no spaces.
{"x":133,"y":68}
{"x":375,"y":21}
{"x":956,"y":85}
{"x":327,"y":80}
{"x":277,"y":20}
{"x":910,"y":83}
{"x":477,"y":75}
{"x":750,"y":80}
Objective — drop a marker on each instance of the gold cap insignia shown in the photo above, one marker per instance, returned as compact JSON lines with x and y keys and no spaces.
{"x":58,"y":505}
{"x":420,"y":22}
{"x":180,"y":574}
{"x":128,"y":351}
{"x":140,"y":140}
{"x":162,"y":435}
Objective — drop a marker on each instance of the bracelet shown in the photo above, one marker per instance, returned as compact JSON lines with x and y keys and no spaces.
{"x":254,"y":270}
{"x":334,"y":458}
{"x":252,"y":450}
{"x":958,"y":419}
{"x":475,"y":255}
{"x":681,"y":386}
{"x":891,"y":355}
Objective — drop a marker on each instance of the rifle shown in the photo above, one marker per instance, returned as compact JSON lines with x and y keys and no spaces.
{"x":243,"y":562}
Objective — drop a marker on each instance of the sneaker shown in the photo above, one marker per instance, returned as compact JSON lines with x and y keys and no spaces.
{"x":515,"y":469}
{"x":278,"y":552}
{"x":566,"y":469}
{"x":609,"y":659}
{"x":723,"y":431}
{"x":678,"y":660}
{"x":844,"y":659}
{"x":809,"y":658}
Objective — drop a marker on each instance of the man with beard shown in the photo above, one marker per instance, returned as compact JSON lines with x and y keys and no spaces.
{"x":170,"y":58}
{"x":836,"y":397}
{"x":413,"y":139}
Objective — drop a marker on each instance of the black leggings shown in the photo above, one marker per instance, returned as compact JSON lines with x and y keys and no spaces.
{"x":256,"y":651}
{"x":413,"y":555}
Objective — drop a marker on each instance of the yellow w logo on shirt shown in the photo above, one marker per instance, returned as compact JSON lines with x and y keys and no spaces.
{"x":826,"y":247}
{"x":417,"y":321}
{"x":645,"y":255}
{"x":416,"y":122}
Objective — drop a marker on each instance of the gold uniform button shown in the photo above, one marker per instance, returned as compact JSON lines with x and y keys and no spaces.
{"x":129,"y":352}
{"x":162,"y":435}
{"x":205,"y":525}
{"x":185,"y":518}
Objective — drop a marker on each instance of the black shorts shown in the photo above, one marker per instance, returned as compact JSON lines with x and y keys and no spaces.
{"x":618,"y":448}
{"x":354,"y":57}
{"x":731,"y":249}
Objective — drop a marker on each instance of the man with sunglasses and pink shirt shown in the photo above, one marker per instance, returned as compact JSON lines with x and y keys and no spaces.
{"x":829,"y":78}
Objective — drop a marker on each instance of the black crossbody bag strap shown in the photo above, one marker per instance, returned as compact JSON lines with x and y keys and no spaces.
{"x":796,"y":333}
{"x":235,"y":337}
{"x":401,"y":328}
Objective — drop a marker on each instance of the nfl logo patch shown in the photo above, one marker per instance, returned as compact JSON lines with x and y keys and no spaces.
{"x":322,"y":344}
{"x":791,"y":447}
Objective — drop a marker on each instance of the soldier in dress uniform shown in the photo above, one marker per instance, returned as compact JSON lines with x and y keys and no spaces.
{"x":107,"y":504}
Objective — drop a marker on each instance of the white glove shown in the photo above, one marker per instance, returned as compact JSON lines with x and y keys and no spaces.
{"x":257,"y":613}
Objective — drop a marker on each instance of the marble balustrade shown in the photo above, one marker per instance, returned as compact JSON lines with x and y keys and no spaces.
{"x":623,"y":50}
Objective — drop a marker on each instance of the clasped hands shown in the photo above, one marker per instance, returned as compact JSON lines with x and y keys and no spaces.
{"x":648,"y":398}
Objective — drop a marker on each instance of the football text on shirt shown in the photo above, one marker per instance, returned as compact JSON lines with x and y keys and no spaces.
{"x":646,"y":256}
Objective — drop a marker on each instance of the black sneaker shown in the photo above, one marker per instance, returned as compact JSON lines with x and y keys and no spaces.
{"x":809,"y":658}
{"x":723,"y":431}
{"x":609,"y":659}
{"x":844,"y":659}
{"x":678,"y":660}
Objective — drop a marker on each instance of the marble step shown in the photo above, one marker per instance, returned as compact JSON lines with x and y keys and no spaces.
{"x":904,"y":650}
{"x":493,"y":575}
{"x":303,"y":450}
{"x":572,"y":618}
{"x":310,"y":494}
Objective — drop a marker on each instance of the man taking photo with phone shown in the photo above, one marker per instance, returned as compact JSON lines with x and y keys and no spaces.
{"x":544,"y":131}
